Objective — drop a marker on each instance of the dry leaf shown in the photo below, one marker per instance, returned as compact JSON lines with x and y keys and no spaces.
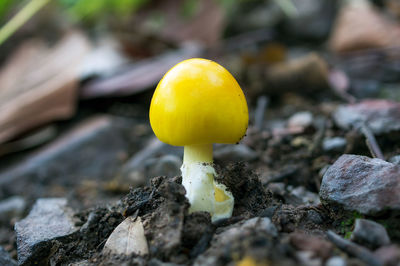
{"x":128,"y":238}
{"x":38,"y":84}
{"x":360,"y":26}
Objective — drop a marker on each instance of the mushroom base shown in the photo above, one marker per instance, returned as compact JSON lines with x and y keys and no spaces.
{"x":204,"y":193}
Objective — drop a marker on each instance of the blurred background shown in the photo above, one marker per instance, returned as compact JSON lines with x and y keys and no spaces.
{"x":77,"y":76}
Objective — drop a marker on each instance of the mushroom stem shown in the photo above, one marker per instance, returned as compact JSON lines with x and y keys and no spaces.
{"x":198,"y":153}
{"x":203,"y":193}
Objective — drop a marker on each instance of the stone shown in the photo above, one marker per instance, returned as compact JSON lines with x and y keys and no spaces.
{"x":5,"y":258}
{"x":69,"y":160}
{"x":306,"y":197}
{"x":395,"y":159}
{"x":381,"y":116}
{"x":336,"y":144}
{"x":359,"y":183}
{"x":167,"y":165}
{"x":300,"y":119}
{"x":336,"y":261}
{"x":235,"y":153}
{"x":50,"y":219}
{"x":12,"y":207}
{"x":370,"y":234}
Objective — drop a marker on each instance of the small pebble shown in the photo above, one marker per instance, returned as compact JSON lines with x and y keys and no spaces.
{"x":334,"y":144}
{"x":336,"y":261}
{"x":370,"y":234}
{"x":300,"y":119}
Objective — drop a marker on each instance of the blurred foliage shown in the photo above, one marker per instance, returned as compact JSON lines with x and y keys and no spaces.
{"x":94,"y":9}
{"x":84,"y":10}
{"x":5,"y":6}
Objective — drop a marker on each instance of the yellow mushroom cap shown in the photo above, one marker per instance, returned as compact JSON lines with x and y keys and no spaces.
{"x":198,"y":102}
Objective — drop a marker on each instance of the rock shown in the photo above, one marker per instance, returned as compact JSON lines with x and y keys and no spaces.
{"x":336,"y":261}
{"x":337,"y":144}
{"x":370,"y":234}
{"x":235,"y":153}
{"x":389,"y":255}
{"x":360,"y":26}
{"x":12,"y":207}
{"x":166,"y":165}
{"x":395,"y":160}
{"x":315,"y":217}
{"x":50,"y":219}
{"x":306,"y":197}
{"x":300,"y":119}
{"x":68,"y":161}
{"x":5,"y":258}
{"x":358,"y":183}
{"x":381,"y":116}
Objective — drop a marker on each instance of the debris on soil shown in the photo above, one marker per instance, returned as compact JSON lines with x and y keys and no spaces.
{"x":381,"y":116}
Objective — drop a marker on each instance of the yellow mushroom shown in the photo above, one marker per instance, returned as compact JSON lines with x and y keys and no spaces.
{"x":198,"y":103}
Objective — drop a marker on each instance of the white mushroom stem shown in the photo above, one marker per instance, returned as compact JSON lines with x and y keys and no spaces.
{"x":202,"y":191}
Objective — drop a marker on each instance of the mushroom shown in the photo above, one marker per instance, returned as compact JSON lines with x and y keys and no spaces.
{"x":198,"y":103}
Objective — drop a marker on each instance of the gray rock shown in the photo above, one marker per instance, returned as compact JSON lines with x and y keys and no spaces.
{"x":235,"y":153}
{"x":167,"y":165}
{"x":50,"y":219}
{"x":359,"y":183}
{"x":314,"y":217}
{"x":5,"y":259}
{"x":370,"y":234}
{"x":12,"y":207}
{"x":334,"y":144}
{"x":94,"y":149}
{"x":395,"y":159}
{"x":382,"y":116}
{"x":307,"y":197}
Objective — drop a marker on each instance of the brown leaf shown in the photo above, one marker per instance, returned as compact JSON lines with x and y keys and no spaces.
{"x":360,"y":27}
{"x":38,"y":84}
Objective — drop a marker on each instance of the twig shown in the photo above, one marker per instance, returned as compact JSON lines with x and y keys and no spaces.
{"x":354,"y":250}
{"x":21,"y":18}
{"x":371,"y":141}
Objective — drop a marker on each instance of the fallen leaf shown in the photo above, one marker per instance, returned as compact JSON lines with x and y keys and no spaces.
{"x":360,"y":26}
{"x":39,"y":84}
{"x":128,"y":238}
